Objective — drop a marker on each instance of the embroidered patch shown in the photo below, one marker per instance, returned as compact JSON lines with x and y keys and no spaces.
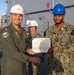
{"x":5,"y":35}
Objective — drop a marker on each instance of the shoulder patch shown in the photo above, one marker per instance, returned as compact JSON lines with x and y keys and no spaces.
{"x":5,"y":34}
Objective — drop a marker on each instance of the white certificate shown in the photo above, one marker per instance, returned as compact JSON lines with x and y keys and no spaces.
{"x":41,"y":45}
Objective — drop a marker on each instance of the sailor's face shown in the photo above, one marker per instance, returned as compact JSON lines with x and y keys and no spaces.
{"x":32,"y":29}
{"x":16,"y":19}
{"x":58,"y":18}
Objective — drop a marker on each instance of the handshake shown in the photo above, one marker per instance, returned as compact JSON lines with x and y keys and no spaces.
{"x":35,"y":59}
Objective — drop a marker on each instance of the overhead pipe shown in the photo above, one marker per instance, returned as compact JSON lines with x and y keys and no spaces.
{"x":70,"y":6}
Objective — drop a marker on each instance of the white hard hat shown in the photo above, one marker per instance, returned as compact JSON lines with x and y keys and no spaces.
{"x":17,"y":9}
{"x":31,"y":23}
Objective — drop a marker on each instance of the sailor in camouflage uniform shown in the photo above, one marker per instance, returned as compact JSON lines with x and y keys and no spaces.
{"x":61,"y":54}
{"x":32,"y":27}
{"x":13,"y":40}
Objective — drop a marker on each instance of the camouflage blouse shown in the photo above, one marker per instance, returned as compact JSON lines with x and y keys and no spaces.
{"x":61,"y":62}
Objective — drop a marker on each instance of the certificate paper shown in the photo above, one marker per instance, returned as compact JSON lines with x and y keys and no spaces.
{"x":41,"y":45}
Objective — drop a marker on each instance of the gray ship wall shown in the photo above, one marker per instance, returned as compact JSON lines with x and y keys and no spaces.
{"x":44,"y":19}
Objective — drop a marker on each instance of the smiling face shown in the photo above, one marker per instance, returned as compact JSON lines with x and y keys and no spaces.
{"x":58,"y":19}
{"x":16,"y":19}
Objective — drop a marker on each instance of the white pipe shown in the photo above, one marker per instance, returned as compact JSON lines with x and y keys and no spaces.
{"x":53,"y":4}
{"x":14,"y":2}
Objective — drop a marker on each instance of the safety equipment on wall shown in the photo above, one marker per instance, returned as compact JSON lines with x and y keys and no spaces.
{"x":17,"y":9}
{"x":31,"y":23}
{"x":59,"y":9}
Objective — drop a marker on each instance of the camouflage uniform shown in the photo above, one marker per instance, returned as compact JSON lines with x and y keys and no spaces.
{"x":61,"y":62}
{"x":13,"y":49}
{"x":33,"y":69}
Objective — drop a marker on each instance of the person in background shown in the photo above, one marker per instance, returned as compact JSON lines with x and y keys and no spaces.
{"x":32,"y":29}
{"x":61,"y":54}
{"x":14,"y":45}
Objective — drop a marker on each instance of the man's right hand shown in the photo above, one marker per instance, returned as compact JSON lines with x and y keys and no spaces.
{"x":52,"y":49}
{"x":35,"y":60}
{"x":30,"y":51}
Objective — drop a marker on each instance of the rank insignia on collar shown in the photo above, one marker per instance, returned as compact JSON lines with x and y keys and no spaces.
{"x":16,"y":33}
